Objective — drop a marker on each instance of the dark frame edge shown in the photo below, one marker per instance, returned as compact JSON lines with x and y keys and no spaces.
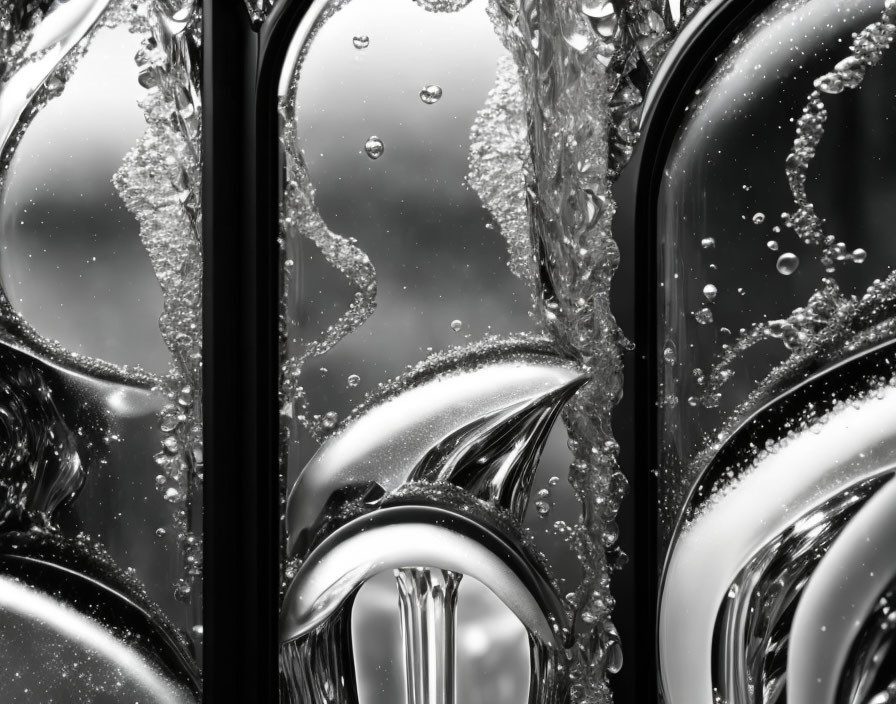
{"x":241,"y":541}
{"x":636,"y":192}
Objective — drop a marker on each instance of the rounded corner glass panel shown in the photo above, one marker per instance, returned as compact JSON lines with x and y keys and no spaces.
{"x":100,"y":352}
{"x":777,"y":352}
{"x":451,"y":482}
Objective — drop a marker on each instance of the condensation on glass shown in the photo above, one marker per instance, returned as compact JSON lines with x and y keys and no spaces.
{"x":778,"y":387}
{"x":446,"y":267}
{"x":100,"y":351}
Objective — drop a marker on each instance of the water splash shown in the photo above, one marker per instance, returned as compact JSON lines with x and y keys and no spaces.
{"x":572,"y":94}
{"x":40,"y":468}
{"x":160,"y":182}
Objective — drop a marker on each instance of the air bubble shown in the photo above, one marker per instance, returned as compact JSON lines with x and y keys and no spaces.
{"x":758,"y":218}
{"x":362,"y":41}
{"x":788,"y":263}
{"x":456,"y":325}
{"x":374,"y":147}
{"x":431,"y":94}
{"x":710,"y":292}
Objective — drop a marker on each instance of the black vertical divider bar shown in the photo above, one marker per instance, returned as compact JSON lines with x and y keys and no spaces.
{"x":687,"y":64}
{"x":239,"y":376}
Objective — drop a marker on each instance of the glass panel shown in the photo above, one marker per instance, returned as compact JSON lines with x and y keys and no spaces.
{"x":778,"y":405}
{"x":430,"y":344}
{"x":100,"y":352}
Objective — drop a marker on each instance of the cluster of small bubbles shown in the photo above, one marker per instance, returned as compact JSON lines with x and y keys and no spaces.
{"x":431,"y":94}
{"x":703,"y":316}
{"x":708,"y":243}
{"x":710,"y":292}
{"x":787,"y":263}
{"x":443,"y":5}
{"x":361,"y":41}
{"x":374,"y":147}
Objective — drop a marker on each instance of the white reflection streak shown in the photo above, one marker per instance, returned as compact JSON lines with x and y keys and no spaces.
{"x":74,"y":626}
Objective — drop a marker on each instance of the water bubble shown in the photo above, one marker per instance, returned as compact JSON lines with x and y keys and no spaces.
{"x":329,"y":420}
{"x":353,"y":380}
{"x":772,"y":245}
{"x":669,"y":355}
{"x":374,"y":147}
{"x":758,"y":218}
{"x":431,"y":94}
{"x":553,"y":481}
{"x":710,"y":292}
{"x":788,"y":263}
{"x":456,"y":325}
{"x":361,"y":41}
{"x":171,"y":494}
{"x":198,"y":632}
{"x":161,"y":532}
{"x":708,"y":242}
{"x":859,"y":255}
{"x":182,"y":590}
{"x":703,"y":316}
{"x":543,"y":508}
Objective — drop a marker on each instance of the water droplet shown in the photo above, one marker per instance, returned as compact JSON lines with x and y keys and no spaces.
{"x":353,"y":380}
{"x":431,"y":94}
{"x":707,"y":243}
{"x":374,"y":147}
{"x":710,"y":292}
{"x":788,"y":263}
{"x":456,"y":325}
{"x":758,"y":218}
{"x":772,"y":245}
{"x":362,"y":41}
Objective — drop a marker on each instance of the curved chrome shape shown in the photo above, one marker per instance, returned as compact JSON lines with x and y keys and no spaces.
{"x":57,"y":34}
{"x":749,"y":496}
{"x":842,"y":593}
{"x":413,"y":536}
{"x":481,"y":428}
